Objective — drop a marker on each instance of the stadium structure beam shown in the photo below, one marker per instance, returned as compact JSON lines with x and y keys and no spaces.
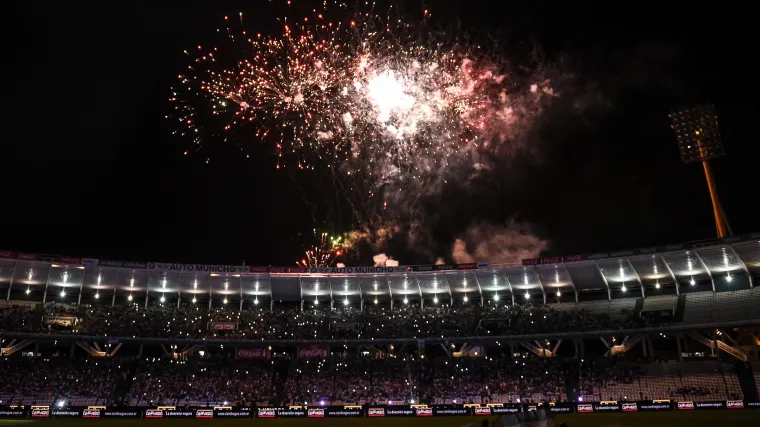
{"x":572,"y":282}
{"x":509,"y":284}
{"x":540,"y":283}
{"x":673,"y":276}
{"x":604,"y":279}
{"x":47,"y":281}
{"x":300,"y":288}
{"x":419,"y":289}
{"x":709,"y":273}
{"x":81,"y":284}
{"x":361,"y":294}
{"x":480,"y":290}
{"x":240,"y":282}
{"x":390,"y":289}
{"x":113,"y":297}
{"x":744,"y":266}
{"x":638,"y":278}
{"x":448,"y":285}
{"x":210,"y":293}
{"x":10,"y":283}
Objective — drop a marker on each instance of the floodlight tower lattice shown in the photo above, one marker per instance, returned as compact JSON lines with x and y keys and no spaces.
{"x":699,"y":140}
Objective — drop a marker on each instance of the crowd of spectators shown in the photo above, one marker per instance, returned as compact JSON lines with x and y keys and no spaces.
{"x":339,"y":378}
{"x":190,"y":321}
{"x":46,"y":380}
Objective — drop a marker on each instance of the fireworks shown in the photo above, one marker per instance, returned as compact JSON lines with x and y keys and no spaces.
{"x":393,"y":110}
{"x":323,"y":254}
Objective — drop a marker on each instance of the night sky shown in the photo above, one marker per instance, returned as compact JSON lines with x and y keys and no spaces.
{"x":90,"y":168}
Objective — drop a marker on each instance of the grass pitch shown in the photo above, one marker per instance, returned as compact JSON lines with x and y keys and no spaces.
{"x":724,"y":418}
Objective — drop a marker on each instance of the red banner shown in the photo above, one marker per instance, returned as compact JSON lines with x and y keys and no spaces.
{"x":312,"y":352}
{"x":252,"y":353}
{"x":468,"y":266}
{"x":222,"y":326}
{"x":7,"y":254}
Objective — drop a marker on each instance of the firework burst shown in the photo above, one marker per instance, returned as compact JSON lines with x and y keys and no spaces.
{"x":324,"y":254}
{"x":393,"y":110}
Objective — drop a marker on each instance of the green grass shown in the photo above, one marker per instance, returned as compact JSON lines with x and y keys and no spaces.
{"x":725,"y":418}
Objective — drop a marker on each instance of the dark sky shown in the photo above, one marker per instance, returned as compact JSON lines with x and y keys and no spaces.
{"x":90,"y":167}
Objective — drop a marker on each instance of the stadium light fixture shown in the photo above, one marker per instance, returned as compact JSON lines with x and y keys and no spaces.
{"x":345,"y":301}
{"x":624,"y":288}
{"x":225,"y":300}
{"x":559,"y":294}
{"x":100,"y":278}
{"x":316,"y":286}
{"x":28,"y":291}
{"x":699,"y":140}
{"x":63,"y":292}
{"x":527,"y":295}
{"x":496,"y":297}
{"x":65,"y":276}
{"x":435,"y":300}
{"x":316,"y":301}
{"x":465,"y":298}
{"x":657,"y":285}
{"x":97,"y":295}
{"x":163,"y":282}
{"x":129,"y":298}
{"x":375,"y":300}
{"x":256,"y":285}
{"x":226,"y":284}
{"x":132,"y":282}
{"x":256,"y":301}
{"x":692,"y":282}
{"x":194,"y":300}
{"x":728,"y":277}
{"x":163,"y":298}
{"x":406,"y":300}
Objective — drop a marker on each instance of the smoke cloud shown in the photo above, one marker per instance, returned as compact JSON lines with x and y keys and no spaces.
{"x":383,"y":260}
{"x":507,"y":244}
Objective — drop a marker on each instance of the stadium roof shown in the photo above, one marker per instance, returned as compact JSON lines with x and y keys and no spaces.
{"x":726,"y":264}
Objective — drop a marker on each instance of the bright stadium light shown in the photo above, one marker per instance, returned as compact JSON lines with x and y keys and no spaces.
{"x":435,"y":300}
{"x":97,"y":295}
{"x":129,"y":298}
{"x":316,"y":286}
{"x":692,"y":282}
{"x":465,"y":298}
{"x":132,"y":282}
{"x":728,"y":277}
{"x":162,"y":298}
{"x":559,"y":294}
{"x":256,"y":285}
{"x":406,"y":301}
{"x":225,"y":300}
{"x":65,"y":276}
{"x":496,"y":297}
{"x":63,"y":292}
{"x":100,"y":278}
{"x":163,"y":282}
{"x":624,"y":288}
{"x":657,"y":285}
{"x":195,"y":284}
{"x":345,"y":301}
{"x":28,"y":291}
{"x":226,"y":284}
{"x":375,"y":300}
{"x":194,"y":300}
{"x":256,"y":301}
{"x":527,"y":295}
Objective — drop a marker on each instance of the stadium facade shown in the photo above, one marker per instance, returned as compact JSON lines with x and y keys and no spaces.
{"x":730,"y":264}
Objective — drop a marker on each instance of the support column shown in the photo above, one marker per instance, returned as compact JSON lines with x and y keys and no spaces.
{"x":480,"y":290}
{"x":10,"y":284}
{"x":709,"y":273}
{"x":744,"y":266}
{"x":44,"y":295}
{"x":113,"y":298}
{"x":672,"y":276}
{"x":604,"y":279}
{"x":638,"y":278}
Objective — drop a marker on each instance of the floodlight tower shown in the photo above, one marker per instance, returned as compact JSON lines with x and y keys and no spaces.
{"x":699,"y":141}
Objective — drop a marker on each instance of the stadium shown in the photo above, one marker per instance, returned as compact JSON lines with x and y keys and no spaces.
{"x":654,"y":329}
